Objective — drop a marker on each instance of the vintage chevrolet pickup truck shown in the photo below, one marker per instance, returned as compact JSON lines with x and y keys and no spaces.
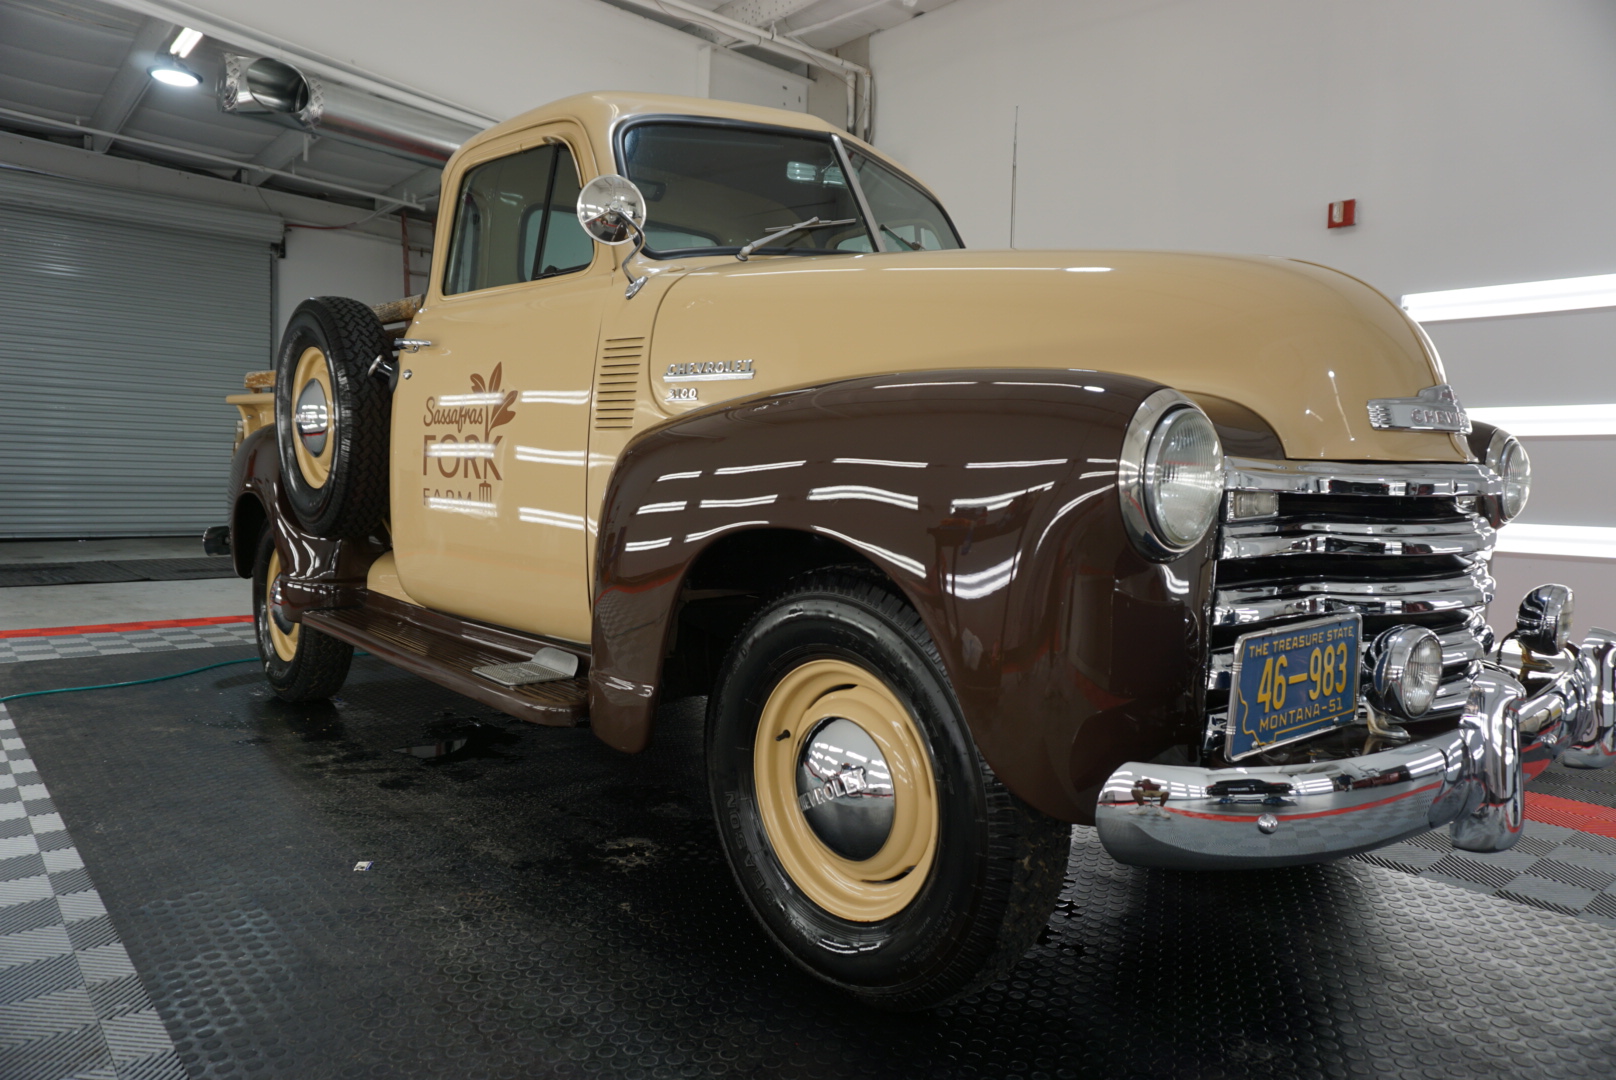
{"x":961,"y":547}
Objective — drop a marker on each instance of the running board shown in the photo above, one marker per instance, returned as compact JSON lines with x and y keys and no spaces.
{"x":447,"y":650}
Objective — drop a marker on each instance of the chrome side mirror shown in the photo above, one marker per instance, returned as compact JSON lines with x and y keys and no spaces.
{"x":611,"y":209}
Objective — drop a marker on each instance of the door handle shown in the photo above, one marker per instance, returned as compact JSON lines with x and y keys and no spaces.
{"x":412,"y":344}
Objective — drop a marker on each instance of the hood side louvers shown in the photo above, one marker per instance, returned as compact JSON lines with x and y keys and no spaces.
{"x":617,"y":382}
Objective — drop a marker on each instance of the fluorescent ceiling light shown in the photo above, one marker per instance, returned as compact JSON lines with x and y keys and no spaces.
{"x":1525,"y":298}
{"x":1580,"y":541}
{"x":185,"y":42}
{"x":1529,"y":421}
{"x":175,"y":74}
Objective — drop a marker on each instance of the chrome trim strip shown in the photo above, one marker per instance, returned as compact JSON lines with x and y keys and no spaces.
{"x":1242,"y":605}
{"x":1429,"y":479}
{"x":1281,"y":537}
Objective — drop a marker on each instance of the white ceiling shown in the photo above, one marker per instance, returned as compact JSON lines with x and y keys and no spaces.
{"x":85,"y":63}
{"x":824,"y":24}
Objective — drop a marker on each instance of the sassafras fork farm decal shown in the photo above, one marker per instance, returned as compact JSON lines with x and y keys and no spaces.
{"x":460,"y":447}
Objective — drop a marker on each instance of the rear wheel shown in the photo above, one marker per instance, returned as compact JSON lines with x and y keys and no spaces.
{"x":300,"y":663}
{"x":869,"y":837}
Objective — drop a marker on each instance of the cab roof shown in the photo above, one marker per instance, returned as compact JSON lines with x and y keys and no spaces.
{"x":599,"y":112}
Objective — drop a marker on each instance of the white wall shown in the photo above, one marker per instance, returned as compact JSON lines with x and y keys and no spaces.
{"x":336,"y":263}
{"x":1476,"y":135}
{"x":733,"y":77}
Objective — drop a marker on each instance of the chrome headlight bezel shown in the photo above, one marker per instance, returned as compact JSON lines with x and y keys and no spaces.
{"x":1505,"y":454}
{"x":1138,"y":479}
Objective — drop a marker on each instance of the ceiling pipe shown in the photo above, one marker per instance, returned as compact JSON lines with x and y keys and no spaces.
{"x":280,"y":92}
{"x":857,"y":77}
{"x":200,"y":155}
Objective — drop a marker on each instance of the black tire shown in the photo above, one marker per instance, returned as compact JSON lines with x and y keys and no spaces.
{"x":338,"y":488}
{"x":997,"y":865}
{"x":316,"y":665}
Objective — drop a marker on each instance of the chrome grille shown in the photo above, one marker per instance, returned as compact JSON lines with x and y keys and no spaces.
{"x":1396,"y":543}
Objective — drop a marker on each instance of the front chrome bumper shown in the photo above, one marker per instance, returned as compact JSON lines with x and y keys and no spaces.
{"x":1188,"y":818}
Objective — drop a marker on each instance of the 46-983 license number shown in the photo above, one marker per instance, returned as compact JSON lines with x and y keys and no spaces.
{"x":1293,"y":682}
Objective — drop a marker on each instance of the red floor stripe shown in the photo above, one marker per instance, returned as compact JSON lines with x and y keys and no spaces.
{"x":113,"y":628}
{"x":1571,"y":814}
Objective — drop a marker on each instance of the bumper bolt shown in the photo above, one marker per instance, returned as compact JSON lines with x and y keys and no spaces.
{"x":1267,"y":823}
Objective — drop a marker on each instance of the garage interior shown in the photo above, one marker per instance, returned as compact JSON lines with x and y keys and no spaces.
{"x":198,"y":880}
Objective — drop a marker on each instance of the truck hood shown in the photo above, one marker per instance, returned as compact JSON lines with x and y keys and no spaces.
{"x":1302,"y":346}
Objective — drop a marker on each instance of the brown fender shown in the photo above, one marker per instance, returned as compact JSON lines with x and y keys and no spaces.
{"x":320,"y":573}
{"x":989,"y":499}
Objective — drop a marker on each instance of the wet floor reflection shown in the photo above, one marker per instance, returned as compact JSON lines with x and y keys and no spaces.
{"x":459,"y":740}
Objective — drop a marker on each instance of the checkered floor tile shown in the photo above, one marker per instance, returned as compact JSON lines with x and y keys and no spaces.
{"x":164,"y":639}
{"x":1551,"y":867}
{"x":71,"y":1004}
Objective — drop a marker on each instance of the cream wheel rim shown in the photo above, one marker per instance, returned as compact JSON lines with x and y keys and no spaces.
{"x":809,"y":699}
{"x":283,"y":639}
{"x":314,"y":417}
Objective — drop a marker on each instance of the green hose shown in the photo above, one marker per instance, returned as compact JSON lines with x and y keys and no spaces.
{"x":136,"y":682}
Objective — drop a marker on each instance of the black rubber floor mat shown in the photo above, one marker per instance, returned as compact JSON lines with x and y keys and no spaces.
{"x":98,"y":572}
{"x":538,"y":905}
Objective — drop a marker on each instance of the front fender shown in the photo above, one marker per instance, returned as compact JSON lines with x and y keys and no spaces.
{"x":989,"y":498}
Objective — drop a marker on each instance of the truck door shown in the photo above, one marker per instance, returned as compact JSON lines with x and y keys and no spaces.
{"x":491,"y":423}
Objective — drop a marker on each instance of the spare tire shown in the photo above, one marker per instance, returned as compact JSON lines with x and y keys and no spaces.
{"x":331,"y":417}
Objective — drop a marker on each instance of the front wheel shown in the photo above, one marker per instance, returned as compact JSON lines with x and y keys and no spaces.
{"x":867,"y":834}
{"x":300,"y":663}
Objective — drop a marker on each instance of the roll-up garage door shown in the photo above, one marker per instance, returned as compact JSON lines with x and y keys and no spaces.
{"x":125,"y":319}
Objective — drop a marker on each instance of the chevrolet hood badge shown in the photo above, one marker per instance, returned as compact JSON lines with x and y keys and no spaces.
{"x":1435,"y":409}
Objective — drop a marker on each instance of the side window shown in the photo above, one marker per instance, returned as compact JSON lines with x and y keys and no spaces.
{"x":515,"y":221}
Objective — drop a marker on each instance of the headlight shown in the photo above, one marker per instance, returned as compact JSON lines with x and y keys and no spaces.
{"x":1544,"y":622}
{"x":1507,"y":457}
{"x":1407,"y":670}
{"x":1170,"y":475}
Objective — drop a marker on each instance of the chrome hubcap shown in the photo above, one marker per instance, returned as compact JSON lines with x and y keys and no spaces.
{"x":277,"y":608}
{"x":844,"y":789}
{"x":313,"y":417}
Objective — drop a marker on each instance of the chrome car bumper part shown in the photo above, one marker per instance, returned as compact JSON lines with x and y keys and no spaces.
{"x":1471,"y":779}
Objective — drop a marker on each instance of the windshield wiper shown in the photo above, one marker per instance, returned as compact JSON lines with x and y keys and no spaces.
{"x":906,"y":243}
{"x":812,"y":223}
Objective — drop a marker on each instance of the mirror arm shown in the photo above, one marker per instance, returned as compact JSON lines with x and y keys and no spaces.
{"x":635,"y":284}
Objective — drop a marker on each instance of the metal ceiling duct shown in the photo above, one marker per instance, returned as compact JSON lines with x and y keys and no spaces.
{"x":280,"y":92}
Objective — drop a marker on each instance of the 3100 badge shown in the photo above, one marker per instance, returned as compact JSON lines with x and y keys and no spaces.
{"x":1293,"y":682}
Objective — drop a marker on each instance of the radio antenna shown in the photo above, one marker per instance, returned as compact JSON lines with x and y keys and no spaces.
{"x":1015,"y":154}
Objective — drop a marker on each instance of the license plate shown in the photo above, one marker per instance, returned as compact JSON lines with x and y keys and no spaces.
{"x":1292,"y":683}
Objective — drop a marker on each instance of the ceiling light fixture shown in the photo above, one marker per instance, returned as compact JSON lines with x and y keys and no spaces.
{"x":1523,"y":298}
{"x":174,"y":73}
{"x":184,"y":42}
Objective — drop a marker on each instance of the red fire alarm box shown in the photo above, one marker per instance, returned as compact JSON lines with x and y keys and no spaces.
{"x":1343,"y":213}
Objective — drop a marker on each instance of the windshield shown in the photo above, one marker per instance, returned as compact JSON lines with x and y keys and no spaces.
{"x":905,"y":216}
{"x":711,"y":190}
